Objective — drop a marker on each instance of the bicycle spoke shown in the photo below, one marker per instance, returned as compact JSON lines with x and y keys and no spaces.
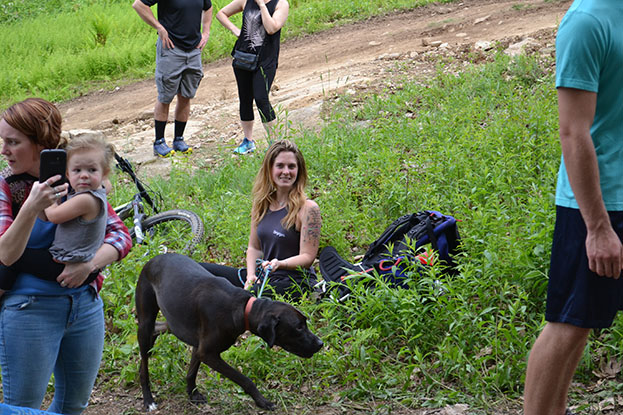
{"x":173,"y":231}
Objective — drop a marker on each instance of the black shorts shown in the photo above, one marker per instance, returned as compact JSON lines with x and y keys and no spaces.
{"x":575,"y":294}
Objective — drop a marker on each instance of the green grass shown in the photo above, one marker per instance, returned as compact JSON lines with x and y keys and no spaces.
{"x":482,"y":145}
{"x":60,"y":49}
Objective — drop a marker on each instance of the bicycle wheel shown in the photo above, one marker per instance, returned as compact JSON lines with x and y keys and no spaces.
{"x":176,"y":230}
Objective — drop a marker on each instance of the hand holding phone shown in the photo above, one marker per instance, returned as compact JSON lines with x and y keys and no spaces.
{"x":51,"y":163}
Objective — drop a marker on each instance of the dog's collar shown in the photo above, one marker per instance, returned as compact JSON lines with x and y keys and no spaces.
{"x":247,"y":310}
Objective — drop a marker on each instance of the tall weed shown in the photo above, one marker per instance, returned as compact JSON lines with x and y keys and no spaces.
{"x":57,"y":49}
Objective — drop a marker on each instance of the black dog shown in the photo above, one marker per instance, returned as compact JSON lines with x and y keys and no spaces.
{"x":209,"y":313}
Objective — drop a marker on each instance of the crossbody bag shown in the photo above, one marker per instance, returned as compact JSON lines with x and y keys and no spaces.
{"x":246,"y":60}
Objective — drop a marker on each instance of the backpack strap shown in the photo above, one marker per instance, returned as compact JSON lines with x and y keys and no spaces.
{"x":333,"y":266}
{"x":431,"y":233}
{"x":386,"y":236}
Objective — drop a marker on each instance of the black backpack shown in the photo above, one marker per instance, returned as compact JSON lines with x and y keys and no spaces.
{"x":398,"y":242}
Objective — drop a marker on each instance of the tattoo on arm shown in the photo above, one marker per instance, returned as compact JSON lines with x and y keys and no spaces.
{"x":314,"y":223}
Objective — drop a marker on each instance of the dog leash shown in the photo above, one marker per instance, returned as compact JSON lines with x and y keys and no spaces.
{"x":264,"y":280}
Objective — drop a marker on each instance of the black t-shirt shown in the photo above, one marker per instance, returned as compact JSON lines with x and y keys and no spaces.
{"x":182,"y":19}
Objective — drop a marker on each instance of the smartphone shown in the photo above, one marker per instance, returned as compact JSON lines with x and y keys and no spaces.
{"x":51,"y":163}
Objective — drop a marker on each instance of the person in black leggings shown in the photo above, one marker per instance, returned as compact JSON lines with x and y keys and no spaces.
{"x":285,"y":228}
{"x":260,"y":34}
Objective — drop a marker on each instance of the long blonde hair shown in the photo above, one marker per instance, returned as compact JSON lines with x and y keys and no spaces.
{"x":264,"y":190}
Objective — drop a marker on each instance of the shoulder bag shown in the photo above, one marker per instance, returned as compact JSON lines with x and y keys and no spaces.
{"x":246,"y":60}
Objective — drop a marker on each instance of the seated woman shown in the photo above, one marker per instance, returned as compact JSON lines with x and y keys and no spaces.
{"x":285,"y":227}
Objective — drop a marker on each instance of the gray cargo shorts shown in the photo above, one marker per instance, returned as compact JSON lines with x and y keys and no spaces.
{"x":177,"y":71}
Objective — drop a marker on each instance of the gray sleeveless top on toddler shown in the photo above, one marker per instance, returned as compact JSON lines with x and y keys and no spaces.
{"x":280,"y":243}
{"x":77,"y":240}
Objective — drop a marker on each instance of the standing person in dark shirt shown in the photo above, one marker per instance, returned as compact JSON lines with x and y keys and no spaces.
{"x":260,"y":34}
{"x":183,"y":30}
{"x":285,"y":226}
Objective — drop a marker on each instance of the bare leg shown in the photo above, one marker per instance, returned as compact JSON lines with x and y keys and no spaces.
{"x":161,"y":111}
{"x":182,"y":108}
{"x":551,"y":365}
{"x":247,"y":129}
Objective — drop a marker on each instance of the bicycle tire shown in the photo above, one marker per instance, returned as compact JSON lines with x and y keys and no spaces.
{"x":192,"y":220}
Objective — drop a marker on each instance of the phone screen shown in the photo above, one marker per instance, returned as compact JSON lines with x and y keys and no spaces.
{"x":51,"y":163}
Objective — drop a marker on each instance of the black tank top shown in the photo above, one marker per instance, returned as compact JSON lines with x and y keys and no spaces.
{"x":253,"y":37}
{"x":277,"y":242}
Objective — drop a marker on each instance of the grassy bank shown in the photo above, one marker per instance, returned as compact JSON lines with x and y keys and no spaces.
{"x":60,"y":49}
{"x":480,"y":145}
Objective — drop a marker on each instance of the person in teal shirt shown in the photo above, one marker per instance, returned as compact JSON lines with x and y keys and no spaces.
{"x":585,"y":290}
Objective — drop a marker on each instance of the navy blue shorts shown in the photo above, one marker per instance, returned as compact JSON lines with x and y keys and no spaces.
{"x":575,"y":294}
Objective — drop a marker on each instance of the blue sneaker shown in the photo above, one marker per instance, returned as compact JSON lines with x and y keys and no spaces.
{"x":247,"y":146}
{"x":180,"y":146}
{"x":161,"y":149}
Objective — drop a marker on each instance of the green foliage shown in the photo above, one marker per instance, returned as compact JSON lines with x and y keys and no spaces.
{"x":21,"y":10}
{"x":100,"y":29}
{"x":481,"y":145}
{"x":59,"y":49}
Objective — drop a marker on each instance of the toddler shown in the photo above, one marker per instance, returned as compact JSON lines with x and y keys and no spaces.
{"x":81,"y":219}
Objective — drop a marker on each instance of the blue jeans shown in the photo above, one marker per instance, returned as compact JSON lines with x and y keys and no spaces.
{"x":41,"y":335}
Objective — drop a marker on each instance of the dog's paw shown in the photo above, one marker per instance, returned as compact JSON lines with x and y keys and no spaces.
{"x":197,"y":398}
{"x":265,"y":404}
{"x":150,"y":407}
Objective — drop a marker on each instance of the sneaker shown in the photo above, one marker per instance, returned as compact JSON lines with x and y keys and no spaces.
{"x":161,"y":149}
{"x":180,"y":146}
{"x":247,"y":146}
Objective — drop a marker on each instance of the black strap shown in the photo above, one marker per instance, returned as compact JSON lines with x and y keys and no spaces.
{"x":91,"y":277}
{"x":333,"y":266}
{"x":431,"y":233}
{"x":20,"y":177}
{"x":387,"y":234}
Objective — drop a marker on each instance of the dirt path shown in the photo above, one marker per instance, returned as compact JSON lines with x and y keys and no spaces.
{"x":311,"y":67}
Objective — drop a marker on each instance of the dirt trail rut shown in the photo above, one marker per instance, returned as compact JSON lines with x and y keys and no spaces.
{"x":310,"y":68}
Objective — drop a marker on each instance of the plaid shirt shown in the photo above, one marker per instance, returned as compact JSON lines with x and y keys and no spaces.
{"x":6,"y":212}
{"x":117,"y":233}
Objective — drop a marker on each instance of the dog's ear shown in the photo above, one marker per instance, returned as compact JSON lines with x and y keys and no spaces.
{"x":267,"y":330}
